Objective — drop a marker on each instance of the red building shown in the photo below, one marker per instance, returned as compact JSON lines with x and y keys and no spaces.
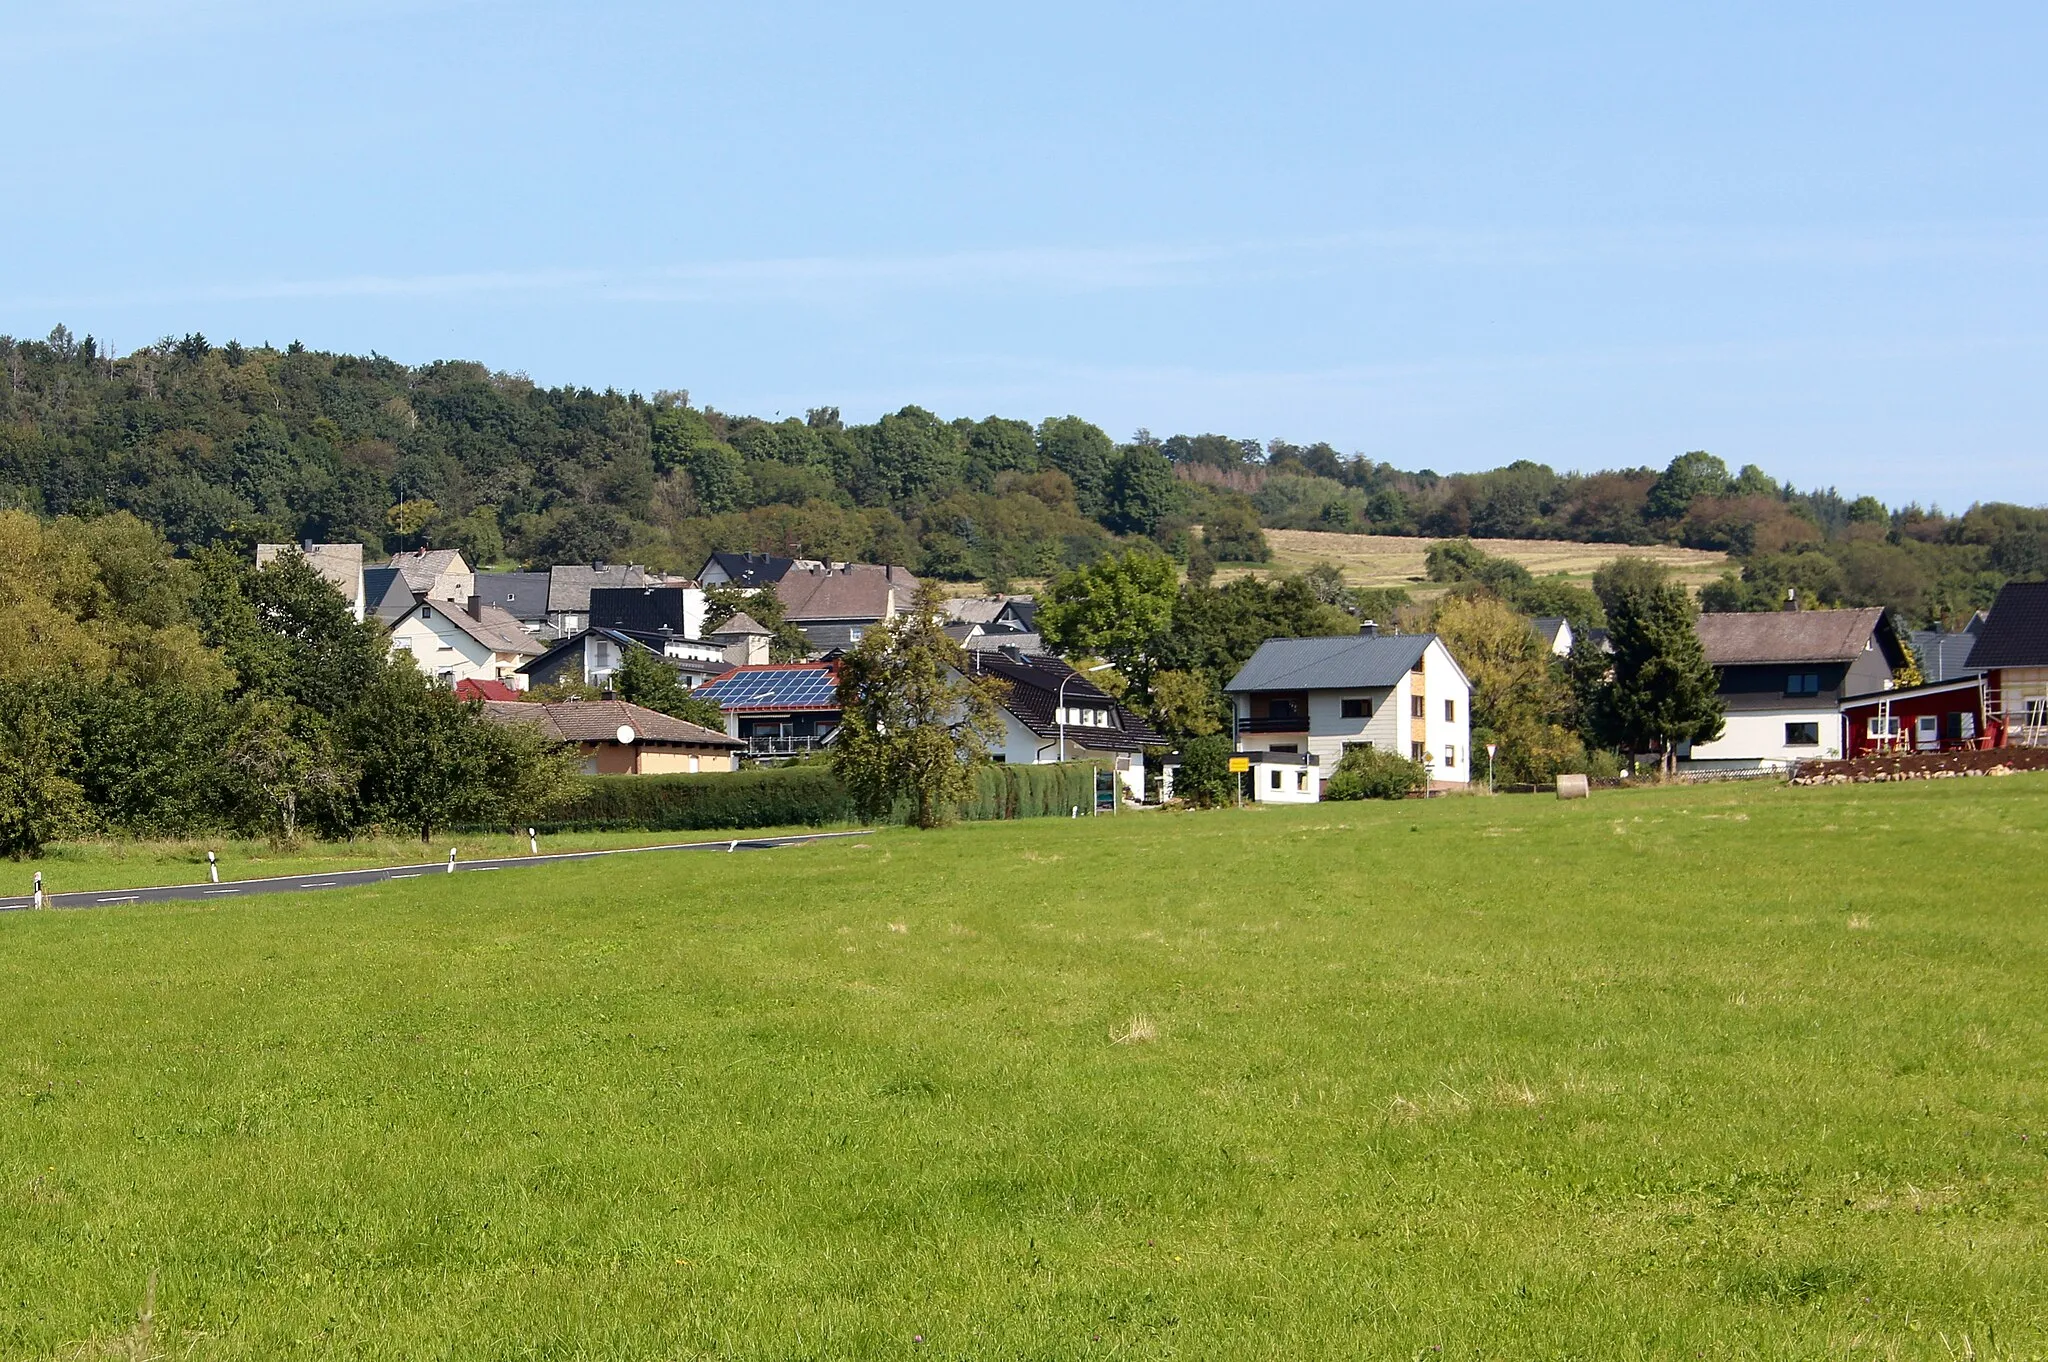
{"x":1942,"y":716}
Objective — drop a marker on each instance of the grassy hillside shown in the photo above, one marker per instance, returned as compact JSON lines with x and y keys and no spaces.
{"x":1730,"y":1073}
{"x":1370,"y":560}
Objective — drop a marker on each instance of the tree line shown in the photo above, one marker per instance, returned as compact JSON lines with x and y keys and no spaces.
{"x":232,"y":444}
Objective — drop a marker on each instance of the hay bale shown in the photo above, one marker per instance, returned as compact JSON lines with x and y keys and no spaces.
{"x":1573,"y":787}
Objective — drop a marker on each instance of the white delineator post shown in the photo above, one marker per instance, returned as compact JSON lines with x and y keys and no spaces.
{"x":212,"y":867}
{"x":39,"y":889}
{"x":532,"y":842}
{"x":451,"y":860}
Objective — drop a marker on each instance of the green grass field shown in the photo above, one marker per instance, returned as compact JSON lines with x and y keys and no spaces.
{"x":1752,"y":1072}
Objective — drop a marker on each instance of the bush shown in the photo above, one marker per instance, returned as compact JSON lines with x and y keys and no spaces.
{"x":1366,"y":773}
{"x":1205,"y":777}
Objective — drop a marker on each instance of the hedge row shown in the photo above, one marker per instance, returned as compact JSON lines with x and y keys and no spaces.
{"x":796,"y":796}
{"x":1031,"y":791}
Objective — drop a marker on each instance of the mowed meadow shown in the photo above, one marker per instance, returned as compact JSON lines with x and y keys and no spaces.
{"x":1722,"y":1072}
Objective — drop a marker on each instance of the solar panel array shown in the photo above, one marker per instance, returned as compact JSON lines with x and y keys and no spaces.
{"x":775,"y":688}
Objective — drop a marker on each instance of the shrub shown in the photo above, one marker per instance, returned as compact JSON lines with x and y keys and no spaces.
{"x":1366,"y":773}
{"x":1205,"y":776}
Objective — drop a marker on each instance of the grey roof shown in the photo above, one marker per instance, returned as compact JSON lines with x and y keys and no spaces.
{"x":569,"y":584}
{"x":341,"y":564}
{"x":1346,"y":662}
{"x":490,"y":626}
{"x":1945,"y":656}
{"x":2016,"y":634}
{"x":385,"y":595}
{"x":523,"y":595}
{"x":1547,"y":627}
{"x":741,"y":625}
{"x":422,"y":566}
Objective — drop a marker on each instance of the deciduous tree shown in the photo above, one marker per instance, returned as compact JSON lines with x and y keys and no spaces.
{"x":915,"y":723}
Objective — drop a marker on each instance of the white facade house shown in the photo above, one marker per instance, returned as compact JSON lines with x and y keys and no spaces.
{"x":1050,"y":713}
{"x":1783,"y":675}
{"x":1287,"y":778}
{"x":1554,"y":632}
{"x":472,"y":642}
{"x":1316,"y":697}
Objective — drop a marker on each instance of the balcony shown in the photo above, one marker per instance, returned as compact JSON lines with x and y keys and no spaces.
{"x":1286,"y":723}
{"x":777,"y":745}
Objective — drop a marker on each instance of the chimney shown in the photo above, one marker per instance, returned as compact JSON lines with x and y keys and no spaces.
{"x":1792,"y":598}
{"x":475,"y":606}
{"x":1369,"y":628}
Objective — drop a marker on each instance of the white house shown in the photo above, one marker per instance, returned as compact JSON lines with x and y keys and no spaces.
{"x":1316,"y":697}
{"x":1051,"y":712}
{"x":1287,"y":777}
{"x":469,"y":642}
{"x":1783,"y":675}
{"x":1554,"y":632}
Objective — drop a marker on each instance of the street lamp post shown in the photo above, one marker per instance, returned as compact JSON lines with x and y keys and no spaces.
{"x":1060,"y":702}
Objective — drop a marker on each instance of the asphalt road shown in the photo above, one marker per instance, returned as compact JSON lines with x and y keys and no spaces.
{"x":342,"y":879}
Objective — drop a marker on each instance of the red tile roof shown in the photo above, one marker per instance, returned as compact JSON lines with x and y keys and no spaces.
{"x":486,"y":690}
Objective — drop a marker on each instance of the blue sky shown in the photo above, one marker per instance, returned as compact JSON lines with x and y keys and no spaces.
{"x":1812,"y":237}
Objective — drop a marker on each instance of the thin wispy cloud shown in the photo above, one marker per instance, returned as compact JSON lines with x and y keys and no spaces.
{"x":855,"y":278}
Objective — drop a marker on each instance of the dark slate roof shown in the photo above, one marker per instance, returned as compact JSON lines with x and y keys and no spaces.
{"x":1024,"y":610}
{"x":385,"y":595}
{"x":1945,"y":656}
{"x":1547,"y":627}
{"x":600,"y":720}
{"x":522,"y":595}
{"x":638,"y":610}
{"x":750,"y":569}
{"x":2016,"y":633}
{"x":1745,"y":640}
{"x":1347,"y":662}
{"x":1034,"y":681}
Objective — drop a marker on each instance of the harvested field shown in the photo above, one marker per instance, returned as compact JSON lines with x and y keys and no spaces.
{"x":1392,"y":560}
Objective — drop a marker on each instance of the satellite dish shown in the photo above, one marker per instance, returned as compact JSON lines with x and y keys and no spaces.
{"x":626,"y":733}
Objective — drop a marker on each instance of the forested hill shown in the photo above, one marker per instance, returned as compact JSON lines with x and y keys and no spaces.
{"x":236,"y":444}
